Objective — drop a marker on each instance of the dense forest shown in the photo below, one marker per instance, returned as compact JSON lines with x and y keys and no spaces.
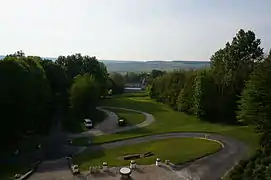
{"x":235,"y":89}
{"x":34,"y":90}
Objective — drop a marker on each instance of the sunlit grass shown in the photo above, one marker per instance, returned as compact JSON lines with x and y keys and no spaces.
{"x":168,"y":120}
{"x":185,"y":149}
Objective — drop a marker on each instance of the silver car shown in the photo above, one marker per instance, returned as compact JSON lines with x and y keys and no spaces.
{"x":88,"y":123}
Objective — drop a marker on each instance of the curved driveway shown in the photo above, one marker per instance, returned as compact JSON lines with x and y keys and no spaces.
{"x":109,"y":125}
{"x":211,"y":167}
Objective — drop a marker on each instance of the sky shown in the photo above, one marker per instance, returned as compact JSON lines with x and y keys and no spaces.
{"x":129,"y":29}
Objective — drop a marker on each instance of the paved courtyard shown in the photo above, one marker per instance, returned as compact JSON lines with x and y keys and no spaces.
{"x":149,"y":172}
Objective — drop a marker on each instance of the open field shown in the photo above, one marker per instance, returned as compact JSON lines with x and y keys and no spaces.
{"x":181,"y":150}
{"x":168,"y":120}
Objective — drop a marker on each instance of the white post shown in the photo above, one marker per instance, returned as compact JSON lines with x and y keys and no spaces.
{"x":158,"y":162}
{"x":132,"y":164}
{"x":105,"y":168}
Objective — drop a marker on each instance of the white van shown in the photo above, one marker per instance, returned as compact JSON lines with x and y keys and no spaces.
{"x":88,"y":123}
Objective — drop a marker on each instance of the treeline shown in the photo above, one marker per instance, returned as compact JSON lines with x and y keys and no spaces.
{"x":120,"y":80}
{"x":235,"y":89}
{"x":255,"y":108}
{"x":212,"y":93}
{"x":33,"y":91}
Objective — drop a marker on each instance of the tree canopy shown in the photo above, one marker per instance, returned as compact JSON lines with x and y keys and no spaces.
{"x":84,"y":94}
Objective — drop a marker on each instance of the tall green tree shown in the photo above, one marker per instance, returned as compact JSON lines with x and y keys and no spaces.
{"x":117,"y":83}
{"x":205,"y":95}
{"x":24,"y":94}
{"x":166,"y":88}
{"x":185,"y":101}
{"x":84,"y":94}
{"x":76,"y":64}
{"x":59,"y":83}
{"x":231,"y":67}
{"x":255,"y":103}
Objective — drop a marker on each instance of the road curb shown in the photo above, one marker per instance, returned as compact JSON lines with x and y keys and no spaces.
{"x":30,"y":172}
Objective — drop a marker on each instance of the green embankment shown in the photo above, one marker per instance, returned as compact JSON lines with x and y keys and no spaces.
{"x":185,"y":149}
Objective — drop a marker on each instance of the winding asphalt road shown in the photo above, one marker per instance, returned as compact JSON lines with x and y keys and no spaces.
{"x":110,"y":126}
{"x":211,"y":167}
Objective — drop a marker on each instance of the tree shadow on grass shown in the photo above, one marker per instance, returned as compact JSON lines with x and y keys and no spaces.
{"x":142,"y":104}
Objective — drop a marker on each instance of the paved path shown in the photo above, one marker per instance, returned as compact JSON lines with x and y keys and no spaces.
{"x":110,"y":125}
{"x":212,"y":167}
{"x":53,"y":170}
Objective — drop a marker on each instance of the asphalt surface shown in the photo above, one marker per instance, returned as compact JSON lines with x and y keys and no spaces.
{"x":110,"y":126}
{"x":211,"y":167}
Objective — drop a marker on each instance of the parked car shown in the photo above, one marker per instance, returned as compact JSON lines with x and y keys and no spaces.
{"x":88,"y":123}
{"x":75,"y":169}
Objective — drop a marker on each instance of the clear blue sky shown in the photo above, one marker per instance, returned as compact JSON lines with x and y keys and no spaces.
{"x":129,"y":29}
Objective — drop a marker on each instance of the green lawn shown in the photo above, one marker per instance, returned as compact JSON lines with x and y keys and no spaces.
{"x":168,"y":120}
{"x":185,"y":149}
{"x":76,"y":125}
{"x":131,"y":117}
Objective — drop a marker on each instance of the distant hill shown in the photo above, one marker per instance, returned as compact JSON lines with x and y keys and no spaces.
{"x":147,"y":66}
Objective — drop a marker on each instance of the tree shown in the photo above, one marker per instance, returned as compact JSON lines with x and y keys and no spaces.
{"x":17,"y":54}
{"x":185,"y":101}
{"x":205,"y":95}
{"x":132,"y":77}
{"x":255,"y":108}
{"x":84,"y":94}
{"x":24,"y":95}
{"x":117,"y":82}
{"x":255,"y":103}
{"x":156,"y":73}
{"x":231,"y":67}
{"x":166,"y":88}
{"x":59,"y":83}
{"x":76,"y":64}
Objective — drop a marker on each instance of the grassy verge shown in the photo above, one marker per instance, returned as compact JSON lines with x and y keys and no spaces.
{"x":76,"y":125}
{"x":168,"y":120}
{"x":185,"y":149}
{"x":131,"y":118}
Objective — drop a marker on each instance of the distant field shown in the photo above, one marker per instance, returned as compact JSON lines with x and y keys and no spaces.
{"x":147,"y":66}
